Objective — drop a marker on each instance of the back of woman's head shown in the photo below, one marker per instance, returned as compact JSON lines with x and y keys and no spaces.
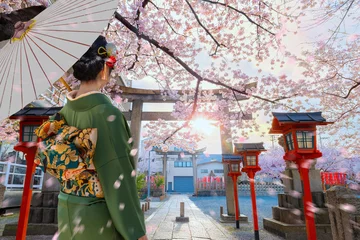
{"x":91,"y":63}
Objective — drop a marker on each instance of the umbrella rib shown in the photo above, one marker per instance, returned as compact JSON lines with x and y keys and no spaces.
{"x":21,"y":77}
{"x":4,"y":60}
{"x":60,"y":12}
{"x":13,"y":80}
{"x":52,"y":46}
{"x":52,"y":30}
{"x":66,"y":24}
{"x":73,"y":17}
{"x":32,"y":79}
{"x":63,"y":39}
{"x":8,"y":72}
{"x":7,"y":63}
{"x":51,"y":59}
{"x":37,"y":60}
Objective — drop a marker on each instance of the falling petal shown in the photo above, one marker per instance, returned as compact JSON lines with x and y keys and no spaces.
{"x":133,"y":152}
{"x":121,"y":206}
{"x":130,"y":140}
{"x":133,"y":173}
{"x":212,"y":213}
{"x":347,"y":207}
{"x":101,"y":230}
{"x":111,"y":118}
{"x":108,"y":224}
{"x":121,"y":177}
{"x":77,"y":220}
{"x":117,"y":184}
{"x":295,"y":194}
{"x":56,"y":236}
{"x":296,"y":212}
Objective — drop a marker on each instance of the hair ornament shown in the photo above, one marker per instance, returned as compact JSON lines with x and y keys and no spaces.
{"x":110,"y":52}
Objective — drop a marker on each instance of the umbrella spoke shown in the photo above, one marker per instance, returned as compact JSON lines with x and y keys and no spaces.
{"x":30,"y":72}
{"x":8,"y":72}
{"x":62,"y":50}
{"x":63,"y":39}
{"x":37,"y":60}
{"x":13,"y":78}
{"x":79,"y":16}
{"x":63,"y":8}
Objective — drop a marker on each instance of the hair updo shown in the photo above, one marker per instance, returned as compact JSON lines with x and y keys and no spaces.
{"x":91,"y":63}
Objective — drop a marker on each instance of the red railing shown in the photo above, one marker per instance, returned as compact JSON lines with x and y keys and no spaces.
{"x":333,"y":178}
{"x":211,"y":183}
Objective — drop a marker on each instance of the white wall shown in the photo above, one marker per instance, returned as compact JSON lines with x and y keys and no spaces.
{"x":210,"y":167}
{"x":176,"y":171}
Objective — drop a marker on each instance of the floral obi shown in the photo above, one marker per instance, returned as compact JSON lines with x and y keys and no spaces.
{"x":66,"y":153}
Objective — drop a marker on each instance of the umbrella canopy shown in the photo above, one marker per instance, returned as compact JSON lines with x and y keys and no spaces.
{"x":51,"y":43}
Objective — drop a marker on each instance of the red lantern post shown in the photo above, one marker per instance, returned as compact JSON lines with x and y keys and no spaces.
{"x":299,"y":132}
{"x":30,"y":119}
{"x":233,"y":163}
{"x":250,"y":154}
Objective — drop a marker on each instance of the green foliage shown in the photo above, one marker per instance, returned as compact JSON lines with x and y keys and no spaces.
{"x":140,"y":181}
{"x":159,"y":181}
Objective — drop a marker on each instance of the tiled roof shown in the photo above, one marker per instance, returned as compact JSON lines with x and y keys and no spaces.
{"x":37,"y":111}
{"x":299,"y":117}
{"x":249,"y":146}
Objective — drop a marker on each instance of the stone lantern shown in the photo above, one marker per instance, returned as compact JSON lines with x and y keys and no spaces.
{"x":234,"y":171}
{"x":250,"y":153}
{"x":299,"y":133}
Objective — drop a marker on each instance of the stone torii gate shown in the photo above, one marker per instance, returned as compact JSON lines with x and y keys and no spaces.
{"x":139,"y":96}
{"x":176,"y":153}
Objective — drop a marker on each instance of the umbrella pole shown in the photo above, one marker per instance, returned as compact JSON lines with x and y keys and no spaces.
{"x":62,"y":80}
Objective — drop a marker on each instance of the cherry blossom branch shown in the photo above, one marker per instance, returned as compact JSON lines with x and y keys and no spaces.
{"x":347,"y":95}
{"x":206,"y":30}
{"x":167,"y":21}
{"x":342,"y":19}
{"x":241,"y":12}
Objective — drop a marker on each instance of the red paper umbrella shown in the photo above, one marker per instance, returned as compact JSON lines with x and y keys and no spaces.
{"x":44,"y":48}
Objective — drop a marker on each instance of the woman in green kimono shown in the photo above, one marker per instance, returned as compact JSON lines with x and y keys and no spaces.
{"x":101,"y":203}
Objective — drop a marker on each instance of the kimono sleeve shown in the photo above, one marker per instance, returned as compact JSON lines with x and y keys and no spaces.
{"x":118,"y":181}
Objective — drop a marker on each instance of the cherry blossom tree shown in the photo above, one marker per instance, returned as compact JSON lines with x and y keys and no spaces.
{"x":190,"y":47}
{"x":272,"y":164}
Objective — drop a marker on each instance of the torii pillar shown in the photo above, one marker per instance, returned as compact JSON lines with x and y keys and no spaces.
{"x":135,"y":126}
{"x":227,"y":148}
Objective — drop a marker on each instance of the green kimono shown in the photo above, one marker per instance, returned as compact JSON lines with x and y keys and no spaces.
{"x":118,"y":215}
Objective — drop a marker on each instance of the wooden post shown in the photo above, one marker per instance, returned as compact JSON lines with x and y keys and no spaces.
{"x":182,"y":209}
{"x":221,"y":210}
{"x":146,"y":207}
{"x":143,"y":207}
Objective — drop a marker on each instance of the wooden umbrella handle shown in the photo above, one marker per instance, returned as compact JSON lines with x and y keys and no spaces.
{"x":62,"y":80}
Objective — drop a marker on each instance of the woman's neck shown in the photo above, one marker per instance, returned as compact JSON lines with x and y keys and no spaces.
{"x":88,"y":87}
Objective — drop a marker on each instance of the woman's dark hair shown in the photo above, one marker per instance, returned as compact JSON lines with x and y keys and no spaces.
{"x":91,"y":63}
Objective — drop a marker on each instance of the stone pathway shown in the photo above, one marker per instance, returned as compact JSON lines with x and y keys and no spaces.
{"x":162,"y":225}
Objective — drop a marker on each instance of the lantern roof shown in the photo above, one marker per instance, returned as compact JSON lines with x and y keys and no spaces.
{"x":299,"y":117}
{"x":35,"y":112}
{"x":249,"y":147}
{"x":231,"y":157}
{"x":303,"y":118}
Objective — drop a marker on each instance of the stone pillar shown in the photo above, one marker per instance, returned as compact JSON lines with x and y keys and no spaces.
{"x":227,"y":148}
{"x":344,"y":213}
{"x":194,"y":172}
{"x":165,"y":172}
{"x":135,"y":126}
